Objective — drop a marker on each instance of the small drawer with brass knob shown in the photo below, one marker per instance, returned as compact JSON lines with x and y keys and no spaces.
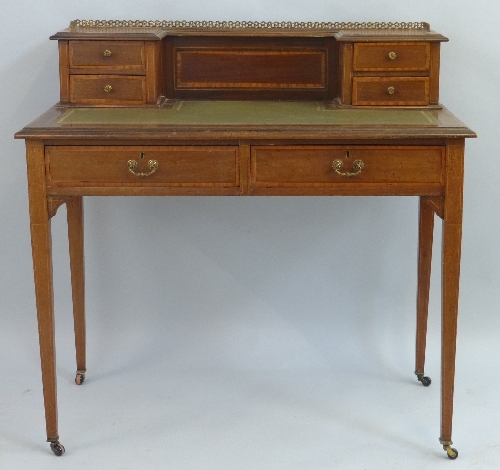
{"x":101,"y":55}
{"x":387,"y":91}
{"x":107,"y":89}
{"x":391,"y":56}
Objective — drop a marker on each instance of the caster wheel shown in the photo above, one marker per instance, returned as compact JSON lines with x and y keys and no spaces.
{"x":425,"y":381}
{"x":80,"y":378}
{"x":57,"y":448}
{"x":452,"y":453}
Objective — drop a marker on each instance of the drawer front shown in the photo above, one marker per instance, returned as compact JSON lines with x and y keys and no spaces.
{"x":123,"y":165}
{"x":107,"y":89}
{"x":330,"y":165}
{"x":118,"y":55}
{"x":387,"y":91}
{"x":391,"y":56}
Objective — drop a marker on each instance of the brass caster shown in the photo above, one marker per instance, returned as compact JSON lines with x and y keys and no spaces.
{"x":80,"y":377}
{"x":57,"y":448}
{"x":425,"y":381}
{"x":451,"y":452}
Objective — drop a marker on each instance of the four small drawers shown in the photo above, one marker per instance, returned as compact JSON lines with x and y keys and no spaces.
{"x":395,"y":73}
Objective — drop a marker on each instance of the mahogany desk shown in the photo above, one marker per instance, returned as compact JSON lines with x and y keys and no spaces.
{"x":246,"y":109}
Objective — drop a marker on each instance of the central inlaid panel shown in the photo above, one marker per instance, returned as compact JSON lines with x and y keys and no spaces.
{"x":225,"y":69}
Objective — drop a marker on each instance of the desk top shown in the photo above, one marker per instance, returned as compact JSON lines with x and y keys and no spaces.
{"x":244,"y":113}
{"x":244,"y":119}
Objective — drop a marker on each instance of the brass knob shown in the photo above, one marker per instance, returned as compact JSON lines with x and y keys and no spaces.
{"x":392,"y":55}
{"x":107,"y":53}
{"x":108,"y":88}
{"x":391,"y":90}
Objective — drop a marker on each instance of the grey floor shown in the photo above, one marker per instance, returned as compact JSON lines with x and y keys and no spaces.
{"x":161,"y":412}
{"x":269,"y":358}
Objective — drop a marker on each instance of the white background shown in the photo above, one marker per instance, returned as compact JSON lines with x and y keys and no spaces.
{"x":251,"y":333}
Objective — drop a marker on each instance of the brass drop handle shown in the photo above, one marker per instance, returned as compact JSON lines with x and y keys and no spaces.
{"x":107,"y":53}
{"x":391,"y":90}
{"x":392,"y":55}
{"x":357,"y":165}
{"x":108,"y":88}
{"x":152,"y":165}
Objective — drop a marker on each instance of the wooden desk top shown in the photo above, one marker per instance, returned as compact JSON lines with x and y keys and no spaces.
{"x":245,"y":119}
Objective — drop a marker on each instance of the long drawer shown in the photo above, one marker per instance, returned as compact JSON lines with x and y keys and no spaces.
{"x":278,"y":166}
{"x":142,"y":165}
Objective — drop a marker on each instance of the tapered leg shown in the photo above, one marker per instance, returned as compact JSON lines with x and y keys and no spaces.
{"x":426,"y":228}
{"x":42,"y":268}
{"x":452,"y":237}
{"x":75,"y":235}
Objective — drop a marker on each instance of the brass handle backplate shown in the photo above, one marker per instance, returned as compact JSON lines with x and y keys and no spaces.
{"x":108,"y":88}
{"x":391,"y":90}
{"x":152,"y":165}
{"x":107,"y":53}
{"x":357,"y":165}
{"x":392,"y":55}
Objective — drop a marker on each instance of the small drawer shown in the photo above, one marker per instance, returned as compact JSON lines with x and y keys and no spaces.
{"x":142,"y":166}
{"x":387,"y":91}
{"x":107,"y":89}
{"x":128,"y":55}
{"x":392,"y":56}
{"x":330,"y":165}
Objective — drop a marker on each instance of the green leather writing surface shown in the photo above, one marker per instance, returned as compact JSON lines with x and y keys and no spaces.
{"x":214,"y":113}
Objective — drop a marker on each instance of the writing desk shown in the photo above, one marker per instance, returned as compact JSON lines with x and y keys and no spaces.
{"x":246,"y":109}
